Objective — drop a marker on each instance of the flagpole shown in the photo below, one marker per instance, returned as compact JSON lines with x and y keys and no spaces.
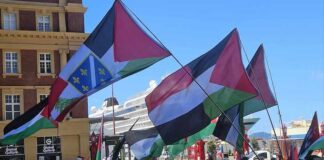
{"x":121,"y":142}
{"x":102,"y":130}
{"x":275,"y":94}
{"x":113,"y":108}
{"x":263,"y":102}
{"x":218,"y":106}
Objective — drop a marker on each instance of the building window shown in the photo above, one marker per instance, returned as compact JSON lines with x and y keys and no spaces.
{"x":11,"y":60}
{"x":12,"y":103}
{"x":45,"y":64}
{"x":43,"y":23}
{"x":42,"y":93}
{"x":9,"y":21}
{"x":42,"y":97}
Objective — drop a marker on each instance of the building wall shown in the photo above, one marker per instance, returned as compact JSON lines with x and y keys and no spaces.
{"x":31,"y":99}
{"x":1,"y":113}
{"x":56,"y":25}
{"x":74,"y":1}
{"x":47,"y":1}
{"x":65,"y":36}
{"x":27,"y":20}
{"x":75,"y":22}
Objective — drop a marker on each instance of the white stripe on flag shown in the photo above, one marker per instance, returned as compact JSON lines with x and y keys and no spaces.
{"x":184,"y":101}
{"x":70,"y":92}
{"x":108,"y":60}
{"x":142,"y":148}
{"x":78,"y":57}
{"x":23,"y":127}
{"x":92,"y":71}
{"x":232,"y":134}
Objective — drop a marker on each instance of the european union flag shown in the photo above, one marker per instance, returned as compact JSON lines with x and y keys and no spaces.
{"x":91,"y":74}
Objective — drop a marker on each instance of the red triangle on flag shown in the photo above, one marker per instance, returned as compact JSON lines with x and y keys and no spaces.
{"x":130,"y":41}
{"x":229,"y":70}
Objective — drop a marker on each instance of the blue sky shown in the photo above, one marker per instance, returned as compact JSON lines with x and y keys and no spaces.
{"x":292,"y":32}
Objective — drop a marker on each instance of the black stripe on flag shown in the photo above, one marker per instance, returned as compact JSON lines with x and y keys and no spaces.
{"x":136,"y":135}
{"x":205,"y":61}
{"x":172,"y":131}
{"x":26,"y":117}
{"x":102,"y":38}
{"x":223,"y":125}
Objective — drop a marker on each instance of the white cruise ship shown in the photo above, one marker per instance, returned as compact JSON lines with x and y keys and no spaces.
{"x":132,"y":109}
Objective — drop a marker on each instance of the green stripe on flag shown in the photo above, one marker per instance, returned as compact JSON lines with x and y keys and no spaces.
{"x":225,"y":99}
{"x":181,"y":145}
{"x":156,"y":149}
{"x":318,"y":144}
{"x":253,"y":105}
{"x":98,"y":155}
{"x":39,"y":124}
{"x":137,"y":65}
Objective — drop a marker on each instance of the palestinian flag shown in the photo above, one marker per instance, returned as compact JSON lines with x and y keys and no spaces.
{"x":27,"y":124}
{"x":179,"y":105}
{"x":117,"y":48}
{"x":258,"y":76}
{"x":144,"y":144}
{"x":99,"y":154}
{"x":225,"y":130}
{"x":311,"y":136}
{"x":180,"y":146}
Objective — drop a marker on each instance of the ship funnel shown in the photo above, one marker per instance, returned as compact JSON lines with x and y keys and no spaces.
{"x":110,"y":101}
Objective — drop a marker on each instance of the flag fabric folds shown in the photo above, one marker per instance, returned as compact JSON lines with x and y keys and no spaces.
{"x":225,"y":128}
{"x":117,"y":48}
{"x":99,"y":154}
{"x":144,"y":143}
{"x":179,"y":105}
{"x":178,"y":147}
{"x":27,"y":124}
{"x":318,"y":144}
{"x":119,"y":145}
{"x":257,"y":64}
{"x":311,"y":136}
{"x":258,"y":76}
